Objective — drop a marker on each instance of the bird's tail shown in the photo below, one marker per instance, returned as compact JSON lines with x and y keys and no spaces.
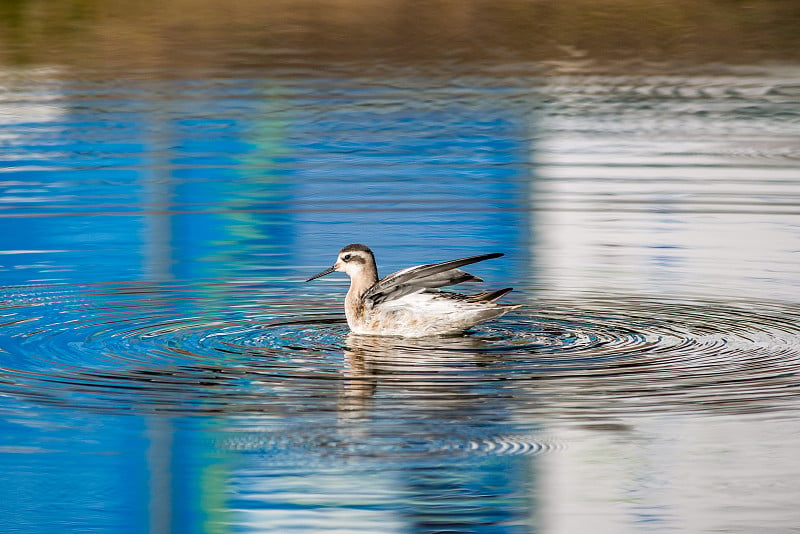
{"x":489,"y":296}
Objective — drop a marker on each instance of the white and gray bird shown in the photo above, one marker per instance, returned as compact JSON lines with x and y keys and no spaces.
{"x":408,"y":303}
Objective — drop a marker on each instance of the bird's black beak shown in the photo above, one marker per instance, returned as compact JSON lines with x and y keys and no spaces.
{"x":329,"y":270}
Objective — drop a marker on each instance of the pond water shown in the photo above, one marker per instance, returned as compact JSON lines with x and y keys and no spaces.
{"x":163,"y":366}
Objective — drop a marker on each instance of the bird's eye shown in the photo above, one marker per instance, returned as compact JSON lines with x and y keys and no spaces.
{"x":346,"y":257}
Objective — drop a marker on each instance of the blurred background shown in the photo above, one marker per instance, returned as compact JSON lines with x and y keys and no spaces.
{"x":184,"y":35}
{"x":195,"y":139}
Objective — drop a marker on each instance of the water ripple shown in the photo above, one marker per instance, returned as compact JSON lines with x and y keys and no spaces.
{"x":309,"y":446}
{"x":270,"y":349}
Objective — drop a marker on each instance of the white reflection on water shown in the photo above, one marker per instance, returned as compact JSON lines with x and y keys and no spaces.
{"x":674,"y":474}
{"x":671,"y":185}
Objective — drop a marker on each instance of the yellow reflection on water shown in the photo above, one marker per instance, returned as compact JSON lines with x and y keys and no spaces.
{"x":150,"y":34}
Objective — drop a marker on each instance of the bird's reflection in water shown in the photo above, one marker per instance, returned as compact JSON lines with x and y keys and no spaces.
{"x":422,"y":375}
{"x":360,"y":380}
{"x":424,"y":405}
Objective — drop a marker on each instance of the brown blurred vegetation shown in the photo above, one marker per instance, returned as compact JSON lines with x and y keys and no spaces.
{"x":169,"y":35}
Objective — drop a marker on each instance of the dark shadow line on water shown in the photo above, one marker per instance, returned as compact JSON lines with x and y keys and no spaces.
{"x":673,"y":209}
{"x":311,"y":319}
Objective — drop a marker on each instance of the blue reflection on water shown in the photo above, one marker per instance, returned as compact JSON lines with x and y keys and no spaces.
{"x":194,"y":181}
{"x":216,"y":185}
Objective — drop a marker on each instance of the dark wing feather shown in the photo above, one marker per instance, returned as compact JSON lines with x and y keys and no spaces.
{"x":489,"y":296}
{"x":423,"y":277}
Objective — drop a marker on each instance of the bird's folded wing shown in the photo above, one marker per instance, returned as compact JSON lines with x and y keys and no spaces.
{"x":421,"y":277}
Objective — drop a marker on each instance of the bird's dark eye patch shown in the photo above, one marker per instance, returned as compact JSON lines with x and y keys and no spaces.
{"x":346,"y":257}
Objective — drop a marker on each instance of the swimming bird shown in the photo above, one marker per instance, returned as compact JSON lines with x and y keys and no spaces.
{"x":408,"y":303}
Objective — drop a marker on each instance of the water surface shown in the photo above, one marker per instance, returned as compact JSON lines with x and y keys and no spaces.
{"x":163,"y":366}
